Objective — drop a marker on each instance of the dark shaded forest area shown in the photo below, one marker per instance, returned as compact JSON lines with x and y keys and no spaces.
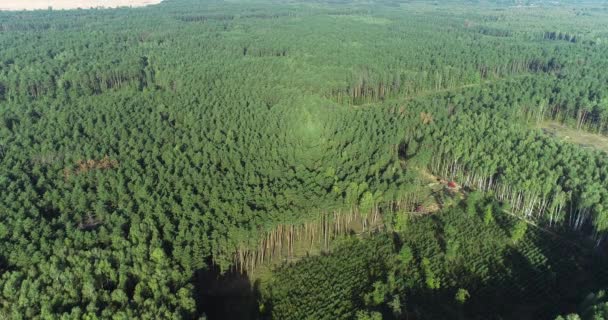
{"x":303,"y":160}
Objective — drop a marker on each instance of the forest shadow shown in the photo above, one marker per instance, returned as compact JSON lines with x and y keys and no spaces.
{"x":3,"y":265}
{"x":225,"y":296}
{"x":537,"y":282}
{"x":520,"y":287}
{"x":504,"y":296}
{"x":515,"y":291}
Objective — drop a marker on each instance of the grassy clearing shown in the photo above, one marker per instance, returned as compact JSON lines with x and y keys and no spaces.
{"x":582,"y":138}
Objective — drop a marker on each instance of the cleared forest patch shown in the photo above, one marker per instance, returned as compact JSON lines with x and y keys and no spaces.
{"x":582,"y":138}
{"x":16,"y":5}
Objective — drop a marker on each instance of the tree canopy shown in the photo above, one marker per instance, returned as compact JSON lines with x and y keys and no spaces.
{"x":142,"y":147}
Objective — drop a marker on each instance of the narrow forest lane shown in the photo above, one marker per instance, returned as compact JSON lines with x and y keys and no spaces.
{"x":427,"y":93}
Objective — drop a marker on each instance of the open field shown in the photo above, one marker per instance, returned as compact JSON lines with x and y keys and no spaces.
{"x":13,"y":5}
{"x":582,"y":138}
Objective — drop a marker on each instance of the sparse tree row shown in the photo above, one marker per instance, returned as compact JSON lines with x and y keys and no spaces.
{"x":542,"y":179}
{"x":280,"y":242}
{"x":367,"y":215}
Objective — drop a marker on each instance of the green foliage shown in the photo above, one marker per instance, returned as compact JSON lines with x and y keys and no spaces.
{"x":488,"y":217}
{"x":300,"y":291}
{"x":368,"y":315}
{"x":519,"y":231}
{"x":452,"y":250}
{"x":462,"y":295}
{"x":401,"y":221}
{"x":594,"y":307}
{"x":501,"y":279}
{"x":472,"y":202}
{"x":429,"y":276}
{"x":405,"y":255}
{"x":377,"y":296}
{"x":396,"y":306}
{"x":366,"y":204}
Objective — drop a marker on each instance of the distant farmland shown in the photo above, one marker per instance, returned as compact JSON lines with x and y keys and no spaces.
{"x":72,"y":4}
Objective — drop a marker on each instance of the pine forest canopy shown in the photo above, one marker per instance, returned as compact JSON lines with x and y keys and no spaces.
{"x":148,"y":153}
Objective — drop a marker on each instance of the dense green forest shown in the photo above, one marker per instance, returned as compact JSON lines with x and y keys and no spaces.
{"x":327,"y":159}
{"x":437,"y":268}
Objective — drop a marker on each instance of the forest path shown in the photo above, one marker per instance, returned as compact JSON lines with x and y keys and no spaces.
{"x":421,"y":94}
{"x":426,"y":93}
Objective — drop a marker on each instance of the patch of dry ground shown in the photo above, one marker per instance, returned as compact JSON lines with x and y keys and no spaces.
{"x":582,"y":138}
{"x":13,"y":5}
